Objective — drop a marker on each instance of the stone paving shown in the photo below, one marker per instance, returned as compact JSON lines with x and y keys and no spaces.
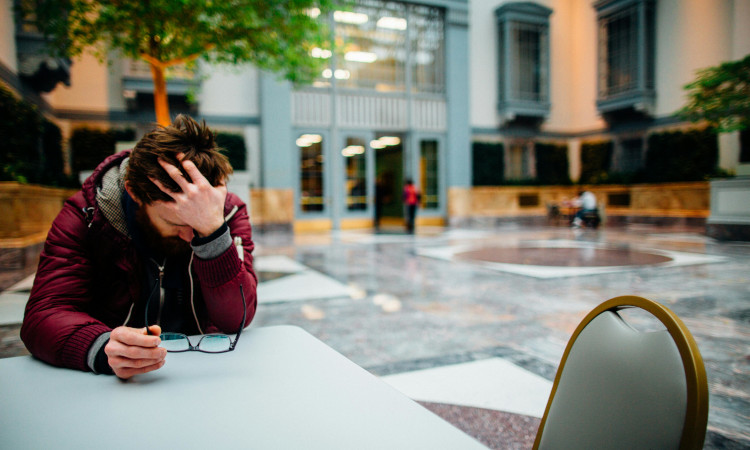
{"x":447,"y":308}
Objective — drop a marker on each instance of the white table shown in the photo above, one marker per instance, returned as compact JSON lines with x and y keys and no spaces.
{"x":281,"y":388}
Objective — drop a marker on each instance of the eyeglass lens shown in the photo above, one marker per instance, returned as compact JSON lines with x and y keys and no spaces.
{"x":176,"y":342}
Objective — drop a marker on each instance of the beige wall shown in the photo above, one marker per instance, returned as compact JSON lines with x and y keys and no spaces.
{"x":691,"y":34}
{"x":28,"y":210}
{"x":89,"y":88}
{"x":674,"y":200}
{"x":573,"y":69}
{"x":7,"y":35}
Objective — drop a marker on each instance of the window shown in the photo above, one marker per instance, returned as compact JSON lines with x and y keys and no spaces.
{"x":626,"y":54}
{"x":519,"y":161}
{"x":429,"y":173}
{"x":356,"y":174}
{"x":745,"y":145}
{"x":523,"y":73}
{"x":311,"y":173}
{"x":381,"y":43}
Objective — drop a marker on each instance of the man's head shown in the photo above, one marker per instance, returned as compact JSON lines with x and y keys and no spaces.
{"x":164,"y":230}
{"x":186,"y":136}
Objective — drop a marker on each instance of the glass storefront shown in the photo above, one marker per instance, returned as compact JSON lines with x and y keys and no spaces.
{"x":382,"y":87}
{"x":311,"y":195}
{"x":356,"y":174}
{"x":428,"y":169}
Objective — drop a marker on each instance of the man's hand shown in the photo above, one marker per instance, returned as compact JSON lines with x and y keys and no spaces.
{"x":199,"y":205}
{"x":131,"y":351}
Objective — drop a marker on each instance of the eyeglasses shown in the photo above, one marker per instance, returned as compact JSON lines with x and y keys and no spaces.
{"x":209,"y":343}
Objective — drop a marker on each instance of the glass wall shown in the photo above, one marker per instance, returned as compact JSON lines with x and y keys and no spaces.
{"x":312,"y":192}
{"x":376,"y":42}
{"x":356,"y":174}
{"x":428,"y":150}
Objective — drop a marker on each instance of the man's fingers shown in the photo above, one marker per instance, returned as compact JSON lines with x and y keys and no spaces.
{"x":162,"y":187}
{"x":133,"y":336}
{"x":175,"y":174}
{"x":128,"y":372}
{"x":194,"y":173}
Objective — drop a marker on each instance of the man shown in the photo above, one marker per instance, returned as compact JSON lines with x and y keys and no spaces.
{"x":152,"y":230}
{"x":586,"y":202}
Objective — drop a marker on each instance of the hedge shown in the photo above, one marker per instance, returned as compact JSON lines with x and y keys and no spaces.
{"x":32,"y":145}
{"x":596,"y":158}
{"x":488,"y":164}
{"x":234,"y":148}
{"x":682,"y":156}
{"x":91,"y":146}
{"x":552,"y":166}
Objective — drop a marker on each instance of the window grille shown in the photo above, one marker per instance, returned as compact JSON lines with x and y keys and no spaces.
{"x":626,"y":54}
{"x":523,"y":60}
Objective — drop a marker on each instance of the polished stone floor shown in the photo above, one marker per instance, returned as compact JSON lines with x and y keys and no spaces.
{"x":472,"y":323}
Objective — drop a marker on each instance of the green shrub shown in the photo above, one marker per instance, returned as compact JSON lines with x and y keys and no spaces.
{"x":21,"y":130}
{"x":596,"y":158}
{"x":234,"y":148}
{"x":488,"y":164}
{"x":90,"y":147}
{"x":552,"y":167}
{"x":681,"y":156}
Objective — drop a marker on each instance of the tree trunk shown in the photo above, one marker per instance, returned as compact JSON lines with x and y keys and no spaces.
{"x":161,"y":105}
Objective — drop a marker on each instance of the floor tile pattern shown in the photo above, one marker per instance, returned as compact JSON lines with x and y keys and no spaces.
{"x":496,"y":306}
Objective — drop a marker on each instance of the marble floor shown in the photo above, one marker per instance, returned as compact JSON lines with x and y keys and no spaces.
{"x":472,"y":323}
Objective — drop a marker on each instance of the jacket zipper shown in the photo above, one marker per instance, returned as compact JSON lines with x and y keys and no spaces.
{"x":161,"y":288}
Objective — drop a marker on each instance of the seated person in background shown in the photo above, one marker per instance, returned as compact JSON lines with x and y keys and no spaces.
{"x":153,"y":225}
{"x":586,"y":202}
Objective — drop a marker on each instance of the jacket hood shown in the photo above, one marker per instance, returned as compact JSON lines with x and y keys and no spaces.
{"x":103,"y":190}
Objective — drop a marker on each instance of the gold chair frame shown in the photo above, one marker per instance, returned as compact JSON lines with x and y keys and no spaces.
{"x":696,"y":411}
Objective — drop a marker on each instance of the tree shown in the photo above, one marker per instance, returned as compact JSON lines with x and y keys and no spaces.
{"x":272,"y":34}
{"x":720,"y":95}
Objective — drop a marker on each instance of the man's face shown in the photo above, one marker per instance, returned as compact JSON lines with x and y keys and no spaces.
{"x":163,"y":230}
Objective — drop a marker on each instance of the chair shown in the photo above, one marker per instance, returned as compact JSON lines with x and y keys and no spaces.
{"x":617,"y":387}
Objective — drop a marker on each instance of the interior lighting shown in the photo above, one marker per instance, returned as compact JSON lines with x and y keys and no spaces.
{"x":392,"y":23}
{"x":377,"y":144}
{"x":320,"y":53}
{"x":350,"y":17}
{"x":390,"y":140}
{"x":363,"y":57}
{"x":302,"y":142}
{"x":327,"y":73}
{"x":353,"y":150}
{"x":312,"y":138}
{"x":313,"y":12}
{"x":342,"y":74}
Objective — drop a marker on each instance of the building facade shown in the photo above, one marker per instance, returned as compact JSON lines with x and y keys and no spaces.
{"x":412,"y":88}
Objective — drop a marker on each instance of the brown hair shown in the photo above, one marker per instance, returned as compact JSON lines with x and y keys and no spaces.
{"x":185,"y":135}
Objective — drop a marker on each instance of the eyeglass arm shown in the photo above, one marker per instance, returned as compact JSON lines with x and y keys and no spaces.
{"x":244,"y":317}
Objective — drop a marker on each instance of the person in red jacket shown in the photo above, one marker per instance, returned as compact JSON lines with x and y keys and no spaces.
{"x":152,"y":231}
{"x":411,"y":197}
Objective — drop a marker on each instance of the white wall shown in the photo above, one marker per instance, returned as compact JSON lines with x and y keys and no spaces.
{"x":7,"y":36}
{"x":229,"y":91}
{"x":483,"y":63}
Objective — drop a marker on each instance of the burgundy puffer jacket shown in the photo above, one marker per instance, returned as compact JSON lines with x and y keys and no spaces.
{"x":90,"y":276}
